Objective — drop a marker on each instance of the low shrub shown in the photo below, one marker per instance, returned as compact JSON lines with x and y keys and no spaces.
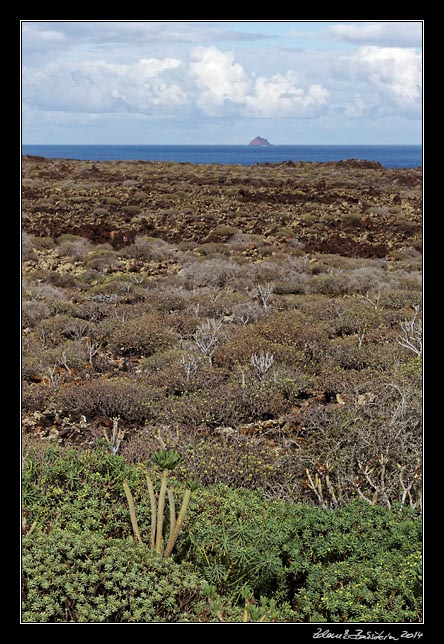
{"x":212,"y":249}
{"x":358,"y":563}
{"x":148,"y":249}
{"x":88,"y":578}
{"x":124,"y":398}
{"x":142,"y":336}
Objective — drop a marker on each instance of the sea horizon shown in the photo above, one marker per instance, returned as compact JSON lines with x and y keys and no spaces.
{"x":390,"y":156}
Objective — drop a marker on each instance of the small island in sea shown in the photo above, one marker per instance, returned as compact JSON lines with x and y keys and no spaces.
{"x":259,"y":141}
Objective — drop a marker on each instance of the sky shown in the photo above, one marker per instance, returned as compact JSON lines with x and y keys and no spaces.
{"x":221,"y":82}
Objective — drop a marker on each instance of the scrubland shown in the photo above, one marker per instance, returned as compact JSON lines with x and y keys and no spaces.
{"x":264,"y":325}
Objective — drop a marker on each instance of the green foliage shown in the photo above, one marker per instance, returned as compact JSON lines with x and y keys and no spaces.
{"x":75,"y":490}
{"x":89,"y":578}
{"x":166,"y":459}
{"x":262,"y":560}
{"x":324,"y":564}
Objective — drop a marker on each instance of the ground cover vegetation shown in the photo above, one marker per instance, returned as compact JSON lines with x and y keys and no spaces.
{"x":246,"y":343}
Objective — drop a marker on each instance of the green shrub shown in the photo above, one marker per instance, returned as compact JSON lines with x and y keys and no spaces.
{"x":87,"y":578}
{"x":110,"y":201}
{"x":357,"y":563}
{"x":360,"y":562}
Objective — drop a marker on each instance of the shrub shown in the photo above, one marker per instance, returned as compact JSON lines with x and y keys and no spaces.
{"x":27,"y":249}
{"x":33,"y":312}
{"x":123,"y":398}
{"x":148,"y":249}
{"x":211,"y":272}
{"x":131,"y":210}
{"x":43,"y":243}
{"x":351,"y":220}
{"x":142,"y":336}
{"x":100,"y":259}
{"x":110,"y":201}
{"x":78,"y":249}
{"x":222,"y":232}
{"x":213,"y":248}
{"x":87,"y":578}
{"x":357,"y":562}
{"x":360,"y":562}
{"x":407,"y":227}
{"x":102,"y":212}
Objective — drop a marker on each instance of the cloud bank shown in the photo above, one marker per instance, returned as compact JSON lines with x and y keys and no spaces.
{"x":391,"y":76}
{"x":211,"y":82}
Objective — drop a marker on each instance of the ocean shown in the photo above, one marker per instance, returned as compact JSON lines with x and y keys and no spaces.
{"x":390,"y":156}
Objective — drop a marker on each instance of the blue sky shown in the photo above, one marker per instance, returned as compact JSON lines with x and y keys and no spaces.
{"x":221,"y":82}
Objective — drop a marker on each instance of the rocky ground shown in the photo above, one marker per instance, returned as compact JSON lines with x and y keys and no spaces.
{"x":352,"y":208}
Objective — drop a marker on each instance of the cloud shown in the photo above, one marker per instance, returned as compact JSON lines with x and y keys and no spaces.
{"x":393,"y":76}
{"x":387,"y":34}
{"x":224,"y":85}
{"x":280,"y":96}
{"x":101,"y":87}
{"x":42,"y":39}
{"x":35,"y":34}
{"x":218,"y":78}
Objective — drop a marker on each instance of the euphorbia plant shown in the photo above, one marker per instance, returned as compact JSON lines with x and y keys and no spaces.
{"x":166,"y":460}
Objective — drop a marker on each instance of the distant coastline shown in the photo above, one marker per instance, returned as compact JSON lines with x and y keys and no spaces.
{"x":390,"y":156}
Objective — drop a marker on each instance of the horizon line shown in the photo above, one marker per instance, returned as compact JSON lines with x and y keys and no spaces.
{"x":246,"y":145}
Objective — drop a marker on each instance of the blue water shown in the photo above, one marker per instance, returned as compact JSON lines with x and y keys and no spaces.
{"x":390,"y":156}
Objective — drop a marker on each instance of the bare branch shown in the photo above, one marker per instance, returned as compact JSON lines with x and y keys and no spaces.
{"x":411,"y":333}
{"x":207,"y":338}
{"x":189,"y":365}
{"x":262,"y":362}
{"x":264,"y":292}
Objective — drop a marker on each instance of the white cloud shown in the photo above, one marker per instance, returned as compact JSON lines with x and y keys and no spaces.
{"x":41,"y":40}
{"x":280,"y":96}
{"x":101,"y":87}
{"x":391,"y":34}
{"x":224,"y":84}
{"x":218,"y":79}
{"x":393,"y":74}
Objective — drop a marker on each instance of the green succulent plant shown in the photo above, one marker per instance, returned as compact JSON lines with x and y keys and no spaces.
{"x":166,"y":459}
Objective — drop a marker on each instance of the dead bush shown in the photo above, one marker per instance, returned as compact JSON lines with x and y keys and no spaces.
{"x":369,"y":446}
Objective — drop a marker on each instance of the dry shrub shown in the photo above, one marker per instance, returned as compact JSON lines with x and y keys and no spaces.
{"x":142,"y":336}
{"x":124,"y":398}
{"x":285,"y":334}
{"x":43,"y":243}
{"x":33,"y":311}
{"x":35,"y":397}
{"x":148,"y":249}
{"x":28,"y":252}
{"x":213,"y":249}
{"x":101,"y":258}
{"x":77,"y":249}
{"x":222,"y":232}
{"x":211,"y":272}
{"x":227,"y":405}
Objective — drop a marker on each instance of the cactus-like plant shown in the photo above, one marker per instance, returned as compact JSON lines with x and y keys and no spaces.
{"x":166,"y":460}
